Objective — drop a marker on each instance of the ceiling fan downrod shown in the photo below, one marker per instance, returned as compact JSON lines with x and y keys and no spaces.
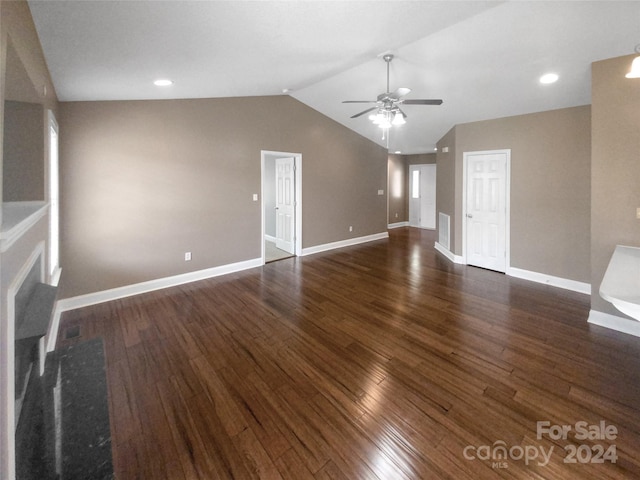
{"x":387,"y":58}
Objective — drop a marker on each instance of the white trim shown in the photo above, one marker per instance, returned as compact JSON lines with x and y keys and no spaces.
{"x":614,"y":322}
{"x":8,"y":359}
{"x":298,"y":194}
{"x":559,"y":282}
{"x":391,"y":226}
{"x":143,"y":287}
{"x":344,"y":243}
{"x":52,"y":334}
{"x":53,"y":194}
{"x":270,"y":238}
{"x":449,"y":254}
{"x":17,"y":219}
{"x":55,"y":277}
{"x":507,"y":244}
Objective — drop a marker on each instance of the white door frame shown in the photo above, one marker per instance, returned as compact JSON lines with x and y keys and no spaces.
{"x":298,"y":197}
{"x":507,"y":243}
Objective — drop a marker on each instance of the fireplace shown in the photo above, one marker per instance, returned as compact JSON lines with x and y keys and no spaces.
{"x":26,"y":349}
{"x":30,"y":303}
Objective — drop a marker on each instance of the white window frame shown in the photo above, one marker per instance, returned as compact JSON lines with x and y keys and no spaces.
{"x":53,"y":151}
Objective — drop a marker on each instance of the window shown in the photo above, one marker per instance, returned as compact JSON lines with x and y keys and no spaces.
{"x":54,"y":208}
{"x":415,"y":184}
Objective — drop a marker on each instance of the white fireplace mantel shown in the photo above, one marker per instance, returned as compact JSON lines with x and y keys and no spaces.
{"x":17,"y":219}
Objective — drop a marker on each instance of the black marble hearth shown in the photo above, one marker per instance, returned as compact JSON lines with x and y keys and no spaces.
{"x":66,"y":434}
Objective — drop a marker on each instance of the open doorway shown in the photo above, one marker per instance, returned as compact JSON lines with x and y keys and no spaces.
{"x":281,"y":205}
{"x":422,"y":196}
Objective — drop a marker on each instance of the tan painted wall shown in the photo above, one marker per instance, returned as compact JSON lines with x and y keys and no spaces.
{"x":447,"y":187}
{"x":421,"y":159}
{"x":146,"y":181}
{"x":615,"y":167}
{"x":398,"y":207}
{"x":550,"y":187}
{"x":23,"y":152}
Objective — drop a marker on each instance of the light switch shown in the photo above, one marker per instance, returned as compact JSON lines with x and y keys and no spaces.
{"x":255,"y":197}
{"x":638,"y":213}
{"x":380,"y":192}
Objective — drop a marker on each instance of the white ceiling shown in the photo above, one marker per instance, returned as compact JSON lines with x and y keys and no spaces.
{"x":482,"y":58}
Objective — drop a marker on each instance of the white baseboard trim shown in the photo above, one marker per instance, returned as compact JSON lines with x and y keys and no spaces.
{"x":344,"y":243}
{"x":89,"y":299}
{"x":397,"y":225}
{"x":269,"y":238}
{"x":449,"y":254}
{"x":565,"y":283}
{"x":614,"y":322}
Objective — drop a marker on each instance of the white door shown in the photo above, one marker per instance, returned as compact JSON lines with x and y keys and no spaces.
{"x":486,"y":209}
{"x":285,"y":204}
{"x":422,"y":202}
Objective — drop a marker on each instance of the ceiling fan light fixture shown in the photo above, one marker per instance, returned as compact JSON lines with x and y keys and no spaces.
{"x":385,"y":124}
{"x":387,"y":105}
{"x":398,"y":119}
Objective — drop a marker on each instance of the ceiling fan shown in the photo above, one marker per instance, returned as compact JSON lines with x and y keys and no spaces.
{"x":387,"y":108}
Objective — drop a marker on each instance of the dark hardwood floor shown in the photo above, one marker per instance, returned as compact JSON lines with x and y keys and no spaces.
{"x":379,"y":361}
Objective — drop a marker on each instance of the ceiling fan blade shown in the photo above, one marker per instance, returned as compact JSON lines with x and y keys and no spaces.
{"x":422,"y":102}
{"x":399,"y":93}
{"x":362,"y":113}
{"x":359,"y":101}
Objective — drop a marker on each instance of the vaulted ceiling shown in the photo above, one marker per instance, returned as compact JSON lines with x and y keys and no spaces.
{"x":483,"y":59}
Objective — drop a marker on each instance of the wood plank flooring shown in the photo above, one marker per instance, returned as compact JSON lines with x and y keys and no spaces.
{"x":378,"y":361}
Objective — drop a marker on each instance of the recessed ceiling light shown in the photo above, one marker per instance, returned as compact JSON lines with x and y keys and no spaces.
{"x":549,"y":78}
{"x":163,"y":82}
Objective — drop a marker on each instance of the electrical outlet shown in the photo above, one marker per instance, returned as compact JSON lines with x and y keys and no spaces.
{"x":351,"y":228}
{"x":187,"y":256}
{"x":380,"y":192}
{"x":396,"y":215}
{"x":638,"y":213}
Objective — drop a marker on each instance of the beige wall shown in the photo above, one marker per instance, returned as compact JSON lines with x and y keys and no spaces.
{"x":421,"y":159}
{"x":23,"y":77}
{"x":23,"y":152}
{"x":448,"y":191}
{"x":397,"y":190}
{"x":550,"y":187}
{"x":615,"y":190}
{"x":143,"y":182}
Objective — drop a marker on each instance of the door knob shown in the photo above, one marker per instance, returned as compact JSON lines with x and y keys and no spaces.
{"x":469,"y":215}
